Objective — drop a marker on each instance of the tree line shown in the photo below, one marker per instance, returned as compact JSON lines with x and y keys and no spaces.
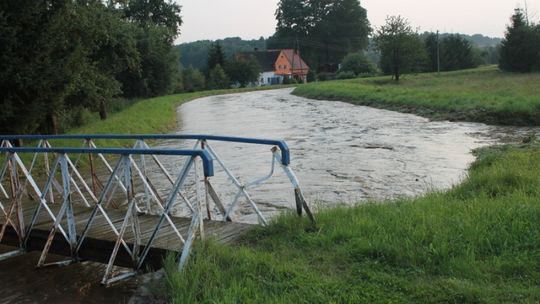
{"x":220,"y":71}
{"x":401,"y":49}
{"x":62,"y":60}
{"x":195,"y":54}
{"x":333,"y":33}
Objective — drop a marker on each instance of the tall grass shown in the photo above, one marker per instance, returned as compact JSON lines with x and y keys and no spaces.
{"x":482,"y":95}
{"x":477,"y":243}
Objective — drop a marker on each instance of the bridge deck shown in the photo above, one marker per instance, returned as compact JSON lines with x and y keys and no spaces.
{"x":101,"y":239}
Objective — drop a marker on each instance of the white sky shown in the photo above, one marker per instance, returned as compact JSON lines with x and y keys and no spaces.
{"x":250,"y":19}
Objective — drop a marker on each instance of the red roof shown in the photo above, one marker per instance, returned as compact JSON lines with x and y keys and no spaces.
{"x":296,"y":61}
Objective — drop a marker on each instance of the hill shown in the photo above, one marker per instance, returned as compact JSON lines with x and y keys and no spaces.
{"x":194,"y":54}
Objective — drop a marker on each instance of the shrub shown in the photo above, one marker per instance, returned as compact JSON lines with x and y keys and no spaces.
{"x":217,"y":78}
{"x":357,"y":63}
{"x":326,"y":76}
{"x":345,"y":75}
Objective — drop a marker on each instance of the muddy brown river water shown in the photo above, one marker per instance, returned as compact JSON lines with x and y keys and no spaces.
{"x":342,"y":154}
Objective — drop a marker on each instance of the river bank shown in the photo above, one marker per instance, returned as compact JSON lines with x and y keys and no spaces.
{"x":484,"y":95}
{"x":152,"y":116}
{"x":476,"y":243}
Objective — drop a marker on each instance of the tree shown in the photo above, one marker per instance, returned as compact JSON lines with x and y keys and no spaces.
{"x":325,"y":30}
{"x":158,"y":24}
{"x":401,"y":48}
{"x":65,"y":69}
{"x":23,"y":23}
{"x":61,"y":57}
{"x":432,"y":45}
{"x":243,"y":71}
{"x":357,"y":63}
{"x":218,"y":79}
{"x":215,"y":56}
{"x":520,"y":48}
{"x":488,"y":54}
{"x":112,"y":50}
{"x":195,"y":53}
{"x":160,"y":13}
{"x":193,"y":80}
{"x":457,"y":53}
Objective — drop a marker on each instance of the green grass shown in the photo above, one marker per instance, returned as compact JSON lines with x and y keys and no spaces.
{"x":480,"y":95}
{"x":155,"y":115}
{"x":147,"y":116}
{"x":477,"y":243}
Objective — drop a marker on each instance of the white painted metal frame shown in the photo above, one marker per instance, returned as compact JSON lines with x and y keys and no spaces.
{"x":65,"y":222}
{"x":122,"y":176}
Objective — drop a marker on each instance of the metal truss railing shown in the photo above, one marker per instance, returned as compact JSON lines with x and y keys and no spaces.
{"x":65,"y":220}
{"x":141,"y":197}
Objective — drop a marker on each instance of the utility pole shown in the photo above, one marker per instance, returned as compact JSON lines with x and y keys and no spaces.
{"x":438,"y":56}
{"x":526,"y":12}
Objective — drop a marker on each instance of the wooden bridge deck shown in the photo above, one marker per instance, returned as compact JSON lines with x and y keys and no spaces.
{"x":100,"y":240}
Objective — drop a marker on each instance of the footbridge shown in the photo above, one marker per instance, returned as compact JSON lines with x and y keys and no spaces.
{"x":81,"y":197}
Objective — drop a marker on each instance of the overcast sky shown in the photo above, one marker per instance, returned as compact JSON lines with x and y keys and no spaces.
{"x":249,"y":19}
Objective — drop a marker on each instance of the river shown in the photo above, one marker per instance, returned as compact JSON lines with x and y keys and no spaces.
{"x":342,"y":153}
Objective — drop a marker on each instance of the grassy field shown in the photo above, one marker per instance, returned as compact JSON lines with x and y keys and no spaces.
{"x":480,"y":95}
{"x":477,"y":243}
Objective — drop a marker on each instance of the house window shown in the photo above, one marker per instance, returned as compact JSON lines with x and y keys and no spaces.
{"x":262,"y":80}
{"x":269,"y":79}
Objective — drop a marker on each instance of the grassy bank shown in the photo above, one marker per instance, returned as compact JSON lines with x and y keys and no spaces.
{"x":477,"y":243}
{"x":480,"y":95}
{"x":150,"y":116}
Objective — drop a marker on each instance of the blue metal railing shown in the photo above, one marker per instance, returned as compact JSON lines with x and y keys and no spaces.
{"x":207,"y":160}
{"x":285,"y":154}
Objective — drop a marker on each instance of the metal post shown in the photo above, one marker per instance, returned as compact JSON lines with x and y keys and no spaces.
{"x":67,"y":210}
{"x":130,"y":217}
{"x":170,"y":201}
{"x":140,"y":144}
{"x":299,"y":196}
{"x":99,"y":207}
{"x":201,"y":197}
{"x":438,"y":55}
